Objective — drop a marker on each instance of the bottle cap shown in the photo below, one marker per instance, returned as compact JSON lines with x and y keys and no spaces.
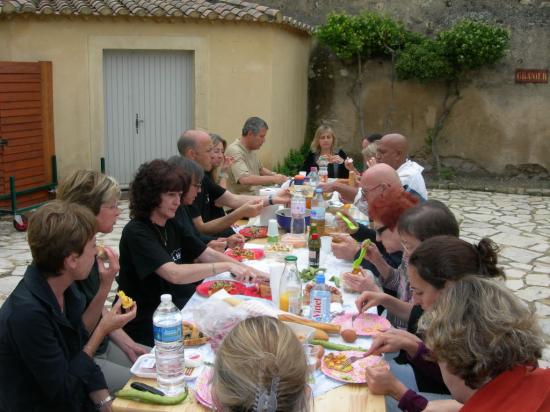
{"x":319,"y":190}
{"x":291,"y":258}
{"x":315,"y":236}
{"x":320,"y":278}
{"x":166,"y":298}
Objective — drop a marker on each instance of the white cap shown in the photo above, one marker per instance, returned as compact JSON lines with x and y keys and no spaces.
{"x":166,"y":298}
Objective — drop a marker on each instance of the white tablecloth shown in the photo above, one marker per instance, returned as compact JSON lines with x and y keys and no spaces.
{"x":334,"y":266}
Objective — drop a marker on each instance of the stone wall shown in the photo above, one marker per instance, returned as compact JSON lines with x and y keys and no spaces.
{"x":496,"y":123}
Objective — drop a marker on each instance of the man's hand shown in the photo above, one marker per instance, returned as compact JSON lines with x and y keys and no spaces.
{"x":394,"y":340}
{"x":443,"y":405}
{"x":382,"y":382}
{"x":107,"y":273}
{"x":371,"y":162}
{"x":235,"y":240}
{"x":344,"y":246}
{"x":218,"y":244}
{"x":278,"y":179}
{"x":360,"y":282}
{"x":326,"y":187}
{"x":251,"y":208}
{"x":282,"y":197}
{"x":348,"y":164}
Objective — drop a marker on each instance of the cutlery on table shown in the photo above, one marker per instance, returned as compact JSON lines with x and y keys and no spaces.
{"x":349,"y":361}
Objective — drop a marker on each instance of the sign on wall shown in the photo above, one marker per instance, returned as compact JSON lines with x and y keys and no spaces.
{"x":531,"y":76}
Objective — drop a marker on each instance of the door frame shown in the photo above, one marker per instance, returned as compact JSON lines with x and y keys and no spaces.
{"x":96,"y":46}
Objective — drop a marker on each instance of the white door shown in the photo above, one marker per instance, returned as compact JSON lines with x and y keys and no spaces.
{"x":148,"y":103}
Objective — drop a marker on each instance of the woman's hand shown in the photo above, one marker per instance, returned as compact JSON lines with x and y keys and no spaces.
{"x":227,"y":162}
{"x":218,"y":244}
{"x":367,"y":300}
{"x":115,"y":319}
{"x":247,"y":274}
{"x":361,"y":281}
{"x":373,"y":255}
{"x":394,"y":340}
{"x":108,"y":272}
{"x":336,"y":159}
{"x":382,"y":382}
{"x":344,"y":246}
{"x":251,"y":208}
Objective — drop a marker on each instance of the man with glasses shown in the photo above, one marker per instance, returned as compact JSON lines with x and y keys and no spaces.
{"x":197,"y":145}
{"x":247,"y":172}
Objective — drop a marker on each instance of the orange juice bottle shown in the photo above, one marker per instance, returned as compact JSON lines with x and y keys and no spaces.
{"x":290,"y":288}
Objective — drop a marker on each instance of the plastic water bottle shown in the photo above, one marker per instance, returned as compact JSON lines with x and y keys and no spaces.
{"x":323,"y":174}
{"x":313,"y":177}
{"x":298,"y":212}
{"x":319,"y":304}
{"x":169,"y":358}
{"x":290,"y":287}
{"x":318,"y":209}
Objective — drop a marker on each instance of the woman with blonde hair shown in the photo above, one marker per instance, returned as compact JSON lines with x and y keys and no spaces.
{"x":488,"y":343}
{"x":324,"y":152}
{"x":261,"y":367}
{"x":220,"y":162}
{"x":100,"y":194}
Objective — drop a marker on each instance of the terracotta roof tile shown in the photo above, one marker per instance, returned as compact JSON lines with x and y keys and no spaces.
{"x":205,"y":9}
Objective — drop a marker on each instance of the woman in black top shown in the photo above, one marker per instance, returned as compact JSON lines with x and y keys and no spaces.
{"x":46,"y":353}
{"x":156,"y":257}
{"x":323,"y":152}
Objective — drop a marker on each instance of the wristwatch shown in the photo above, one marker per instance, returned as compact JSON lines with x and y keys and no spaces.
{"x":270,"y":199}
{"x":104,"y":402}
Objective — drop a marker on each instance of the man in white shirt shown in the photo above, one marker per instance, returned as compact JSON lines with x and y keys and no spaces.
{"x":393,"y":150}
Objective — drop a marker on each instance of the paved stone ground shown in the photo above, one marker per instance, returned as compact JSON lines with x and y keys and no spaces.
{"x":520,"y":224}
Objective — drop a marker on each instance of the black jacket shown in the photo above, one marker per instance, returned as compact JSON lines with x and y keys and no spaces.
{"x":42,"y":366}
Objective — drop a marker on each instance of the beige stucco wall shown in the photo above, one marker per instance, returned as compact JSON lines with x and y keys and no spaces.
{"x":241,"y":69}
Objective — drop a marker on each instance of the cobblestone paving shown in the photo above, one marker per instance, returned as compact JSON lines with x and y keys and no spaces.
{"x":519,"y":224}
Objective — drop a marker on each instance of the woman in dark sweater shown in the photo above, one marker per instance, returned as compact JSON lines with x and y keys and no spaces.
{"x":324,"y":153}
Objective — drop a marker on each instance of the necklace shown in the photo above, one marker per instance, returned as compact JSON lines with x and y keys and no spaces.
{"x":164,"y":237}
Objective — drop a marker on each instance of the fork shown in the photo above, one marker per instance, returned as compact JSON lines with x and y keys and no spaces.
{"x":352,"y":359}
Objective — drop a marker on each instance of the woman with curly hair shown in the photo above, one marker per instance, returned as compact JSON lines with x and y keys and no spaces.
{"x":156,"y":257}
{"x":435,"y":265}
{"x":261,"y":367}
{"x":323,"y":151}
{"x":488,"y":343}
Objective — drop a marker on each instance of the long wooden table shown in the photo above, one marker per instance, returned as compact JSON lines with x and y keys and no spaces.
{"x":349,"y":398}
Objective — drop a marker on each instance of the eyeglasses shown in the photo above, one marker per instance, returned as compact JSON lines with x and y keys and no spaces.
{"x":112,"y":207}
{"x":380,"y":230}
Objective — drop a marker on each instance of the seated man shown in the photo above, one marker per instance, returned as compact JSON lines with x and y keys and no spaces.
{"x":46,"y":353}
{"x":208,"y":205}
{"x":247,"y":172}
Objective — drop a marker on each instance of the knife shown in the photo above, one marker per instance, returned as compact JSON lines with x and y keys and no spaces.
{"x":146,"y":388}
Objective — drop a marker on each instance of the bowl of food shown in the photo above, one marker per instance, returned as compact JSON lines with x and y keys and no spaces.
{"x":284,"y":217}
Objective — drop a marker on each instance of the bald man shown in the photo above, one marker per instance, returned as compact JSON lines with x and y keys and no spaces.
{"x":393,"y":150}
{"x":207,"y":211}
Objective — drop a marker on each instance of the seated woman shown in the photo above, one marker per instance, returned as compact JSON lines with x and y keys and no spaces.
{"x":261,"y":367}
{"x":415,"y":225}
{"x":220,"y":163}
{"x":386,"y":210}
{"x":488,"y":343}
{"x":46,"y":353}
{"x":434,"y":265}
{"x":156,"y":257}
{"x":324,"y":146}
{"x":100,"y":194}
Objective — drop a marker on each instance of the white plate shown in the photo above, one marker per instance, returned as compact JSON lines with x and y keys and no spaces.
{"x":144,"y":367}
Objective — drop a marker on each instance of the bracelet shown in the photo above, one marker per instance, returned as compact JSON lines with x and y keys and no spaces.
{"x":104,"y":402}
{"x":213,"y":269}
{"x":270,"y":199}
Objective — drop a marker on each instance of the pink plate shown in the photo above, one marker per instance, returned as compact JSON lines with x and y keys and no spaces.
{"x":357,"y":375}
{"x":366,"y":324}
{"x":203,"y":388}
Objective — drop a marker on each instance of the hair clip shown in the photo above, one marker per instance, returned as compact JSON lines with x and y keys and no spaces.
{"x":267,"y":402}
